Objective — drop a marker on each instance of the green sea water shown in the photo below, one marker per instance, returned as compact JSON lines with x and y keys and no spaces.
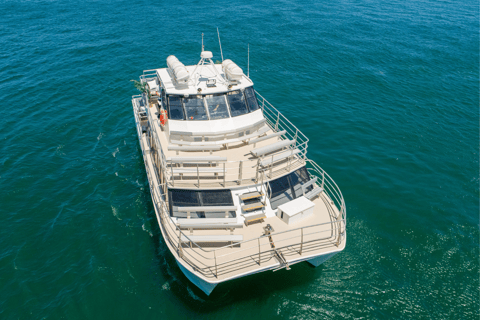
{"x":387,"y":92}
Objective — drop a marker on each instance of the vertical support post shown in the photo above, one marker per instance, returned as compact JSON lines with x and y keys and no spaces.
{"x":173,"y":178}
{"x":323,"y":179}
{"x":198,"y":176}
{"x":258,"y":168}
{"x":271,"y":168}
{"x":289,"y":161}
{"x":259,"y":259}
{"x":215,"y":256}
{"x":224,"y":174}
{"x":301,"y":242}
{"x":276,"y":124}
{"x":240,"y":168}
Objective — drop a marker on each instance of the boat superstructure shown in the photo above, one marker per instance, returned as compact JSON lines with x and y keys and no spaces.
{"x":232,"y":187}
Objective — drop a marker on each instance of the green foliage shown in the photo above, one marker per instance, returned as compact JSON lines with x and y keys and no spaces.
{"x":140,"y":87}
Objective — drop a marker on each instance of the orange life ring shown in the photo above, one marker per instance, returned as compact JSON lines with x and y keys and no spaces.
{"x":163,"y":117}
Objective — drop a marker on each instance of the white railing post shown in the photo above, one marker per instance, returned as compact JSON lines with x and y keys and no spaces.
{"x":271,"y":168}
{"x":215,"y":257}
{"x":301,"y":242}
{"x":240,"y":168}
{"x":259,"y":258}
{"x":198,"y":176}
{"x":224,"y":174}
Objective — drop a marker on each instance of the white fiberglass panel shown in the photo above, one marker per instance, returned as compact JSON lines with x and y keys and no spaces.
{"x":214,"y":126}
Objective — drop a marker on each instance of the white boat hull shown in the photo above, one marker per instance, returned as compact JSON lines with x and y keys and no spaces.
{"x":200,"y":283}
{"x":321,"y":259}
{"x":208,"y":287}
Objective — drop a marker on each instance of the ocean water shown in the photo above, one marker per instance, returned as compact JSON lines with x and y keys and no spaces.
{"x":387,"y":91}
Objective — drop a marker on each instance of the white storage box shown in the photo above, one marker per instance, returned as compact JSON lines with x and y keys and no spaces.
{"x":295,"y":210}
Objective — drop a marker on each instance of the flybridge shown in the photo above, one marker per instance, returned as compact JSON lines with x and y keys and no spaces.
{"x":205,"y":77}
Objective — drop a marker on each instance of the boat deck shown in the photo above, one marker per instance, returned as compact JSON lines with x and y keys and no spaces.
{"x":320,"y":234}
{"x":240,"y":166}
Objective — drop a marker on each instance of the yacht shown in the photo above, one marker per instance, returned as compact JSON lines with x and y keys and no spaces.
{"x":233,"y":189}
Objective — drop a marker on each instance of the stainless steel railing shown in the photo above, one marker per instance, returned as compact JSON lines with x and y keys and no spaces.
{"x":278,"y":122}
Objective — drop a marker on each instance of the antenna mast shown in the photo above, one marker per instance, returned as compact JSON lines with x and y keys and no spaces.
{"x":203,"y":48}
{"x":248,"y":63}
{"x":221,"y":52}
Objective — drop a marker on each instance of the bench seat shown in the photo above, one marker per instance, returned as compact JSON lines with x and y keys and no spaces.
{"x":193,"y":148}
{"x":267,"y":137}
{"x":258,"y":152}
{"x":209,"y":223}
{"x":310,"y":195}
{"x":195,"y":170}
{"x":197,"y":159}
{"x":283,"y":155}
{"x":221,"y":142}
{"x":214,"y":238}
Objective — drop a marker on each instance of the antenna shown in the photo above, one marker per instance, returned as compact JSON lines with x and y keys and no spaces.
{"x":248,"y":63}
{"x":203,"y":48}
{"x":221,"y":52}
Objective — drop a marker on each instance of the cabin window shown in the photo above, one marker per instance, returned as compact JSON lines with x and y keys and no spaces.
{"x":195,"y":108}
{"x":217,"y":106}
{"x":164,"y":99}
{"x":288,"y":187}
{"x":238,"y":105}
{"x":175,"y":109}
{"x":204,"y":198}
{"x":251,"y":99}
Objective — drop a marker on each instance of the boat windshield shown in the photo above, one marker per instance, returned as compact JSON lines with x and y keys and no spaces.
{"x":288,"y":187}
{"x":195,"y":108}
{"x":175,"y":109}
{"x":251,"y":99}
{"x":217,"y":106}
{"x":238,"y":106}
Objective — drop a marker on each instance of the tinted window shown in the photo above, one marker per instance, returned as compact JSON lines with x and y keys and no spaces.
{"x":175,"y":109}
{"x":164,"y":100}
{"x":184,"y":198}
{"x":288,"y":187}
{"x":195,"y":108}
{"x":238,"y":105}
{"x":193,"y":198}
{"x":217,"y":106}
{"x":251,"y":99}
{"x":216,"y":198}
{"x":280,"y":186}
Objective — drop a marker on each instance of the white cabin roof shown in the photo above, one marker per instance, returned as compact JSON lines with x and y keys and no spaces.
{"x":198,"y":80}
